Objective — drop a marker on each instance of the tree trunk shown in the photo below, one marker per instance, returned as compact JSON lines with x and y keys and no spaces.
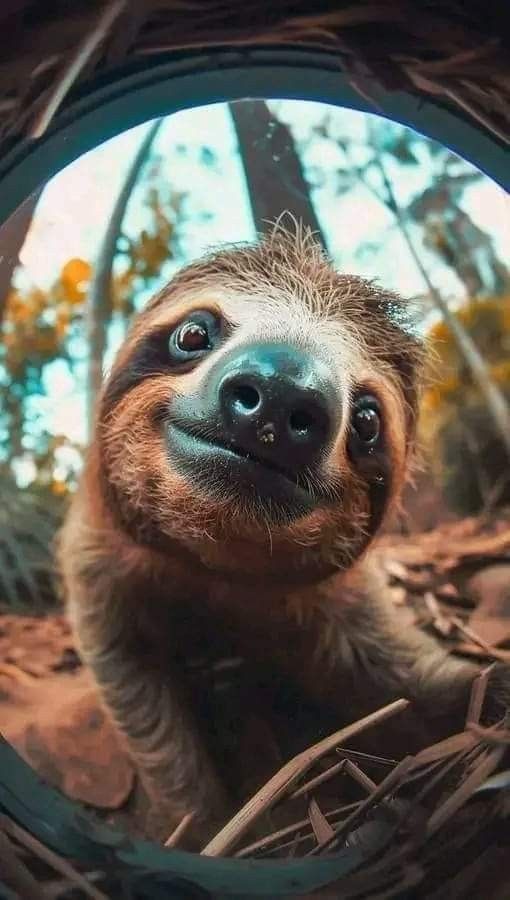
{"x":12,"y":237}
{"x":274,"y":174}
{"x":496,"y":403}
{"x":99,"y":299}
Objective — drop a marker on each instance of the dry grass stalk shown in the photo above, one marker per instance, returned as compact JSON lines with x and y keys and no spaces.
{"x":281,"y":783}
{"x":485,"y":768}
{"x":51,"y":858}
{"x":321,"y":828}
{"x":308,"y":786}
{"x":75,"y":66}
{"x":359,"y":777}
{"x":282,"y":833}
{"x":366,"y":757}
{"x":179,"y":831}
{"x":477,"y":697}
{"x":494,"y":652}
{"x":381,"y":792}
{"x":15,"y":874}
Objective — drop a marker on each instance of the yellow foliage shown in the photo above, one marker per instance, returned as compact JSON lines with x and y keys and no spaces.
{"x":488,"y":323}
{"x":439,"y":332}
{"x":22,"y":308}
{"x":501,"y":373}
{"x":59,"y":487}
{"x":75,"y":277}
{"x":17,"y":308}
{"x":62,"y":322}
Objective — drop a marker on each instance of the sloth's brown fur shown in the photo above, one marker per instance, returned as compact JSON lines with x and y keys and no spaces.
{"x":158,"y":571}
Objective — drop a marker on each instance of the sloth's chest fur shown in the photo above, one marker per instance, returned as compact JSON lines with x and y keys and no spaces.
{"x":249,"y":709}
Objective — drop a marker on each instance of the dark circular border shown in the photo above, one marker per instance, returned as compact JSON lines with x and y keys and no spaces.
{"x":133,"y":95}
{"x":97,"y":112}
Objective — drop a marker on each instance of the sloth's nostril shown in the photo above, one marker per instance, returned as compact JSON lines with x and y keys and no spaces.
{"x":301,"y":422}
{"x":246,"y":398}
{"x":277,"y":402}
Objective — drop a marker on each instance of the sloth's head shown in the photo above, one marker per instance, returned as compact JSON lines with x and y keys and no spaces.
{"x":261,"y":411}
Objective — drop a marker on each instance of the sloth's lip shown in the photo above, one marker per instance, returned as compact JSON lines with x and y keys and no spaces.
{"x":196,"y":452}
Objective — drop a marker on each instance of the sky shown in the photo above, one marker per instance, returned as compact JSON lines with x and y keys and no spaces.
{"x":199,"y":157}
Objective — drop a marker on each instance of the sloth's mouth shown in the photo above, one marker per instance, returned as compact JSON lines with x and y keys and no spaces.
{"x":231,"y":469}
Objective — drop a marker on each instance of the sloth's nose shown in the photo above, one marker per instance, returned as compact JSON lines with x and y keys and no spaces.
{"x":277,"y":403}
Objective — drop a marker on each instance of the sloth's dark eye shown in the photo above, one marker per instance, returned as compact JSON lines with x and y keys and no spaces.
{"x":365,"y":424}
{"x":194,"y":337}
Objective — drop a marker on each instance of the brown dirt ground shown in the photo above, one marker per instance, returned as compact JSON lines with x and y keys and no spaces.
{"x":454,"y":580}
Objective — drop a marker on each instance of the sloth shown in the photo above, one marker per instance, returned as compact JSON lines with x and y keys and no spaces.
{"x":251,"y":440}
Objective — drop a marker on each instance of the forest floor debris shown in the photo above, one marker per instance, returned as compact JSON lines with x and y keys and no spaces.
{"x":454,"y":581}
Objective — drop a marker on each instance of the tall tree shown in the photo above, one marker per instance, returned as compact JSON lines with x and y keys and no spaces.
{"x":497,"y":405}
{"x":12,"y":237}
{"x":449,"y":231}
{"x":99,"y":300}
{"x":274,"y":173}
{"x":431,"y":209}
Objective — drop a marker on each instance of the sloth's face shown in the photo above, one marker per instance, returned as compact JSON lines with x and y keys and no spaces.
{"x":261,"y":413}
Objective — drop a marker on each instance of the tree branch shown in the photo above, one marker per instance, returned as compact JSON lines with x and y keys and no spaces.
{"x":99,"y":298}
{"x":475,"y":362}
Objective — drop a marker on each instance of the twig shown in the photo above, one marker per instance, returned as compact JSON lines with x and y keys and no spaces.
{"x":51,"y":858}
{"x":273,"y":838}
{"x":448,"y":747}
{"x":502,"y":655}
{"x":319,"y":779}
{"x":75,"y":66}
{"x":446,"y":767}
{"x":381,"y":791}
{"x":367,"y":757}
{"x":99,"y":295}
{"x":181,"y":829}
{"x":477,"y":697}
{"x":359,"y":777}
{"x":462,"y":794}
{"x":496,"y":402}
{"x":321,"y":828}
{"x":15,"y":874}
{"x":495,"y":734}
{"x":280,"y":783}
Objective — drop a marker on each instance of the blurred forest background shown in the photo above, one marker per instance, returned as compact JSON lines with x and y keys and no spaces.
{"x":84,"y":253}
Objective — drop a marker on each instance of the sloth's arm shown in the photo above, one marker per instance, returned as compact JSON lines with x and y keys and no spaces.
{"x":368,"y":654}
{"x":144,"y":696}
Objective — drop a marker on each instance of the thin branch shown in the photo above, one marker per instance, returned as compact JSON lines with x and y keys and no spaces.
{"x":99,"y":301}
{"x":496,"y":403}
{"x":319,"y":779}
{"x":179,"y":831}
{"x":13,"y":233}
{"x":275,"y":836}
{"x":379,"y":793}
{"x":463,"y":793}
{"x":76,"y":65}
{"x":51,"y":858}
{"x":477,"y":696}
{"x":15,"y":874}
{"x":284,"y":780}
